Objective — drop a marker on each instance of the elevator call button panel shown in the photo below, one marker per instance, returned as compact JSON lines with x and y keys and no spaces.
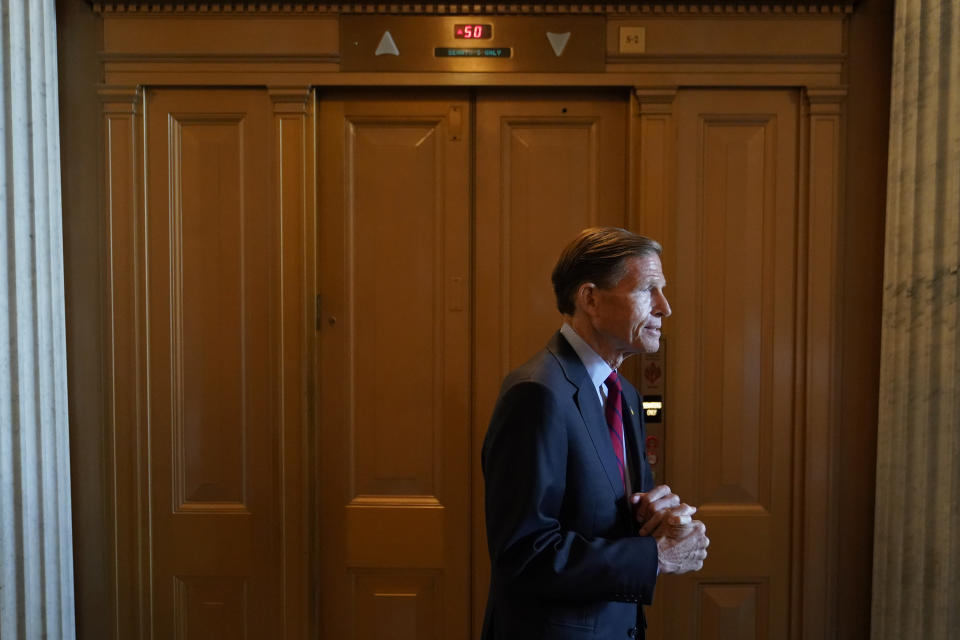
{"x":551,"y":44}
{"x":653,"y":370}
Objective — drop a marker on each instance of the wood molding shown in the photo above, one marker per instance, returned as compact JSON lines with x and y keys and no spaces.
{"x":120,"y":99}
{"x":652,"y":158}
{"x":143,"y":45}
{"x":822,"y":200}
{"x":290,"y":99}
{"x":129,"y":545}
{"x":233,"y":58}
{"x":825,"y":100}
{"x":655,"y":99}
{"x":678,"y":7}
{"x":651,"y":200}
{"x":714,"y":59}
{"x":241,"y":75}
{"x":293,"y":168}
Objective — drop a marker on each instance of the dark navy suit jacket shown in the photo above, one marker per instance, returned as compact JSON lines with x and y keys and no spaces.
{"x":566,"y":562}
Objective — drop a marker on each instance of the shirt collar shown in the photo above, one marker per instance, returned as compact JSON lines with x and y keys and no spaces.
{"x":597,"y":368}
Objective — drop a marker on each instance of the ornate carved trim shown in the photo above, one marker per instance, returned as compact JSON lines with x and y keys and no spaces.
{"x":308,"y":7}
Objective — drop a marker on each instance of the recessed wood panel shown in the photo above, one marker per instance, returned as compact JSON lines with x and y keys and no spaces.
{"x":732,"y":611}
{"x":707,"y":35}
{"x":416,"y":534}
{"x":212,"y":273}
{"x":210,"y":608}
{"x":159,"y":36}
{"x":397,"y":606}
{"x":737,"y":174}
{"x":396,"y":228}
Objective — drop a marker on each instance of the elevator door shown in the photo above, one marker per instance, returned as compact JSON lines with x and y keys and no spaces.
{"x":440,"y":219}
{"x":441,"y":216}
{"x":547,"y":165}
{"x":394,"y":366}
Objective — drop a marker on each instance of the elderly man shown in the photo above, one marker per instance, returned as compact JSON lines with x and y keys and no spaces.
{"x":577,"y":533}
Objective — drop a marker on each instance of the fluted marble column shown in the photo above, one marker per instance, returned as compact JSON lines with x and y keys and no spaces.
{"x":916,"y":577}
{"x":36,"y":558}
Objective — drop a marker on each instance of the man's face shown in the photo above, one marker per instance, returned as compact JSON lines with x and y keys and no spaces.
{"x":627,"y":316}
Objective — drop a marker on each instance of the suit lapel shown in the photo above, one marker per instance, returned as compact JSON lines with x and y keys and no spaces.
{"x":588,"y":402}
{"x":631,"y":415}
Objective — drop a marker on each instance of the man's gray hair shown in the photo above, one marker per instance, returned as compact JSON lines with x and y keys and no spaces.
{"x":597,"y":255}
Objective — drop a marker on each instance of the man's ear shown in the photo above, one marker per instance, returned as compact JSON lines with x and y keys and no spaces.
{"x":586,"y":298}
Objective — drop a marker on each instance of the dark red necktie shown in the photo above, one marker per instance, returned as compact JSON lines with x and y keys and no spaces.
{"x":614,"y":413}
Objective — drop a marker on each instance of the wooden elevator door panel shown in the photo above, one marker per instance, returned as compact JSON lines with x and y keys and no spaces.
{"x":732,"y":260}
{"x":223,"y":511}
{"x":549,"y":163}
{"x":394,"y":366}
{"x":402,"y":258}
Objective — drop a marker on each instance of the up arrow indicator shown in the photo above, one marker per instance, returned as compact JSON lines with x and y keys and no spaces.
{"x":388,"y":47}
{"x":558,"y":41}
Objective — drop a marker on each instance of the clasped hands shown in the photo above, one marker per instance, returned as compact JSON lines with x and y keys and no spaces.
{"x":681,"y":541}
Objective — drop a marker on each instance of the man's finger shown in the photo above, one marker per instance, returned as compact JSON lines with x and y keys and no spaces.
{"x":655,"y":494}
{"x":645,"y":504}
{"x":665,"y":502}
{"x":651,"y":524}
{"x":663,"y":506}
{"x":690,"y":532}
{"x":683,"y":510}
{"x":664,"y":511}
{"x":647,"y":509}
{"x":678,"y":521}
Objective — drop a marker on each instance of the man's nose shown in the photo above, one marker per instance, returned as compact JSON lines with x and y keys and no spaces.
{"x":661,"y":307}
